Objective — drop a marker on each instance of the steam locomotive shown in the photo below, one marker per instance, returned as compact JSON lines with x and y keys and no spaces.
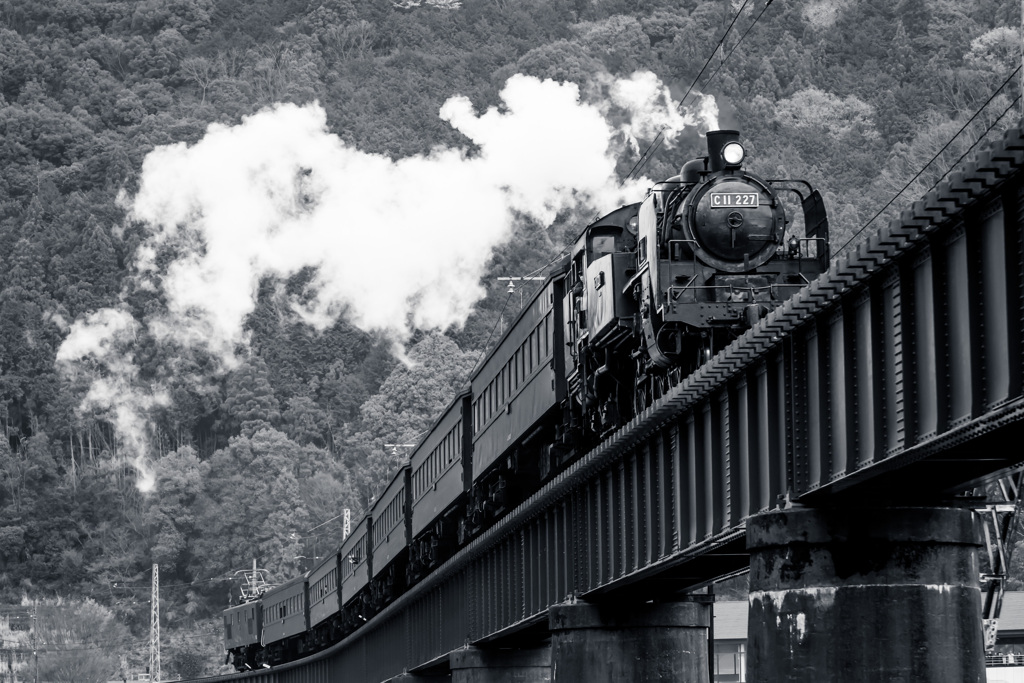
{"x":649,"y":292}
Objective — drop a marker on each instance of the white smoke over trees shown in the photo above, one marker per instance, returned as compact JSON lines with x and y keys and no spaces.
{"x":395,"y":244}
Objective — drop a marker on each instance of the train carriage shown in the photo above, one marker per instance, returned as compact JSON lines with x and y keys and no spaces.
{"x":324,"y":596}
{"x":285,"y":619}
{"x":520,"y":385}
{"x":440,"y":478}
{"x":390,"y":536}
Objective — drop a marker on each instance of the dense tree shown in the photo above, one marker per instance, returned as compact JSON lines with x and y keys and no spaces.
{"x":74,"y":636}
{"x":249,"y":402}
{"x":409,"y":400}
{"x":171,"y":511}
{"x":855,"y":96}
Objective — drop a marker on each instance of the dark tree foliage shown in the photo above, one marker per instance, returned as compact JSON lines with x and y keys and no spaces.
{"x":853,"y":96}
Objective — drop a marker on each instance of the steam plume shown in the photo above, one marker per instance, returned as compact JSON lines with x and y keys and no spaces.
{"x":396,"y":244}
{"x":100,"y":348}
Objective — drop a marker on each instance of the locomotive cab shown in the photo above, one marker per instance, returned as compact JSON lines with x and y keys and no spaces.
{"x":603,"y":262}
{"x":600,"y":316}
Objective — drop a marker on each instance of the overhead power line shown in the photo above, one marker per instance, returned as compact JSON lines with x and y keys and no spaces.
{"x":659,"y":138}
{"x":939,"y":153}
{"x":507,"y":299}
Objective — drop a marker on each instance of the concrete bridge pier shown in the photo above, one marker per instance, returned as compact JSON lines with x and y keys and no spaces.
{"x":629,"y":643}
{"x":865,"y":595}
{"x":477,"y":665}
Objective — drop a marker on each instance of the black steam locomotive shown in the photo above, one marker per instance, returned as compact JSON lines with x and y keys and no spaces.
{"x":649,"y":292}
{"x":656,"y":289}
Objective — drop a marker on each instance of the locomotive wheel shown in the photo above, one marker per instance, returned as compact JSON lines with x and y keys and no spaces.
{"x":645,"y":393}
{"x":651,"y":387}
{"x":640,"y":396}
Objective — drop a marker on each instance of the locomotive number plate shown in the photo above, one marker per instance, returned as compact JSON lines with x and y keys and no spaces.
{"x":730,"y":200}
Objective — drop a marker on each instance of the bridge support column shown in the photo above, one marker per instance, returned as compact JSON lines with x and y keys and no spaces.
{"x":630,"y":643}
{"x":865,"y":595}
{"x":477,"y":665}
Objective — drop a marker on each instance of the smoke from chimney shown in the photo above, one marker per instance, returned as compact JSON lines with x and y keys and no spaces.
{"x":396,"y":244}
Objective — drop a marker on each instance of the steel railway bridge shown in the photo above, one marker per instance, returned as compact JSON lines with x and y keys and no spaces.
{"x":828,"y":450}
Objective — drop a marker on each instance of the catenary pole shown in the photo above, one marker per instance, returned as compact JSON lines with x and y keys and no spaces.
{"x":154,"y":627}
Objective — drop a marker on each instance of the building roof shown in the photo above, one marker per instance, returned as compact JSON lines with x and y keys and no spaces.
{"x":1011,"y":616}
{"x":731,"y":619}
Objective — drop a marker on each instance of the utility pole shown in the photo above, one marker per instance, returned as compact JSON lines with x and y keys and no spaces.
{"x":395,"y":446}
{"x":35,"y":635}
{"x":154,"y":627}
{"x":512,"y":281}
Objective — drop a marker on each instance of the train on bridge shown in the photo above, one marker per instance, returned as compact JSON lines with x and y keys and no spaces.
{"x":648,"y":293}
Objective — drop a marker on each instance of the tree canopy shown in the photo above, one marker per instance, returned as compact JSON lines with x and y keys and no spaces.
{"x":255,"y":457}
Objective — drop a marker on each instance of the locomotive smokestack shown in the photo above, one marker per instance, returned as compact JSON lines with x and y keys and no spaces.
{"x":717,"y":140}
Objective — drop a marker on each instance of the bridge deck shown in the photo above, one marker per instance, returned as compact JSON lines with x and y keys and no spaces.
{"x":896,"y":376}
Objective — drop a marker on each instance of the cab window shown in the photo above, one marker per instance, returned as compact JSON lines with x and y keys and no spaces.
{"x":602,"y":244}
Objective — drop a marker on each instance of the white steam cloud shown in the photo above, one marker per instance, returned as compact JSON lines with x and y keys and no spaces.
{"x":100,"y":348}
{"x":399,"y":244}
{"x":396,"y":245}
{"x":651,"y":110}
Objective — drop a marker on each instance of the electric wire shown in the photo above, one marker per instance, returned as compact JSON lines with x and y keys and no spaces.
{"x":488,"y":341}
{"x":936,"y":156}
{"x":197,"y":582}
{"x":117,"y":644}
{"x":726,"y":58}
{"x":642,"y":161}
{"x":981,"y":137}
{"x":659,"y":138}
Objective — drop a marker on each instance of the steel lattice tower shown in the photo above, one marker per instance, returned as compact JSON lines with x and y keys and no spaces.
{"x":154,"y":627}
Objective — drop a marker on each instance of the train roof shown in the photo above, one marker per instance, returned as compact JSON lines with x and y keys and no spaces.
{"x":467,"y":388}
{"x":284,"y":586}
{"x":618,"y":218}
{"x":557,"y":269}
{"x":352,"y":540}
{"x":397,"y":481}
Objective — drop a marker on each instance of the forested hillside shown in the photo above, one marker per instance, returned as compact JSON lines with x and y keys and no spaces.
{"x":146,"y":425}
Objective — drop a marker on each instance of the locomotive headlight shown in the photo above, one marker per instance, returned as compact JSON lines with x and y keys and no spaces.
{"x":733,"y":154}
